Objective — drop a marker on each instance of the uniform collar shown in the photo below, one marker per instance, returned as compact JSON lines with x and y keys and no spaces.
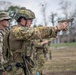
{"x":21,"y":25}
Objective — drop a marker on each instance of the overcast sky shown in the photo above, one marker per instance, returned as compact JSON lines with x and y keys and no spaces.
{"x":34,"y":5}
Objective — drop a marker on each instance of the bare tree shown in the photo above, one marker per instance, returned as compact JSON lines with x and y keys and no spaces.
{"x":65,"y":6}
{"x":13,"y":10}
{"x":43,"y":10}
{"x":34,"y":23}
{"x":52,"y":18}
{"x":4,"y":5}
{"x":68,"y":13}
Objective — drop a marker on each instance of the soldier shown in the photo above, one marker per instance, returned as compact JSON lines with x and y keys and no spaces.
{"x":39,"y":52}
{"x":20,"y":40}
{"x":4,"y":23}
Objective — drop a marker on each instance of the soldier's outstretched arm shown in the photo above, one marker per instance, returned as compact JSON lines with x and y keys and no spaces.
{"x":46,"y":32}
{"x":43,"y":32}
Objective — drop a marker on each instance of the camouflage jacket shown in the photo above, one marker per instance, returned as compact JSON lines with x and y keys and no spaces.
{"x":2,"y":33}
{"x":20,"y":38}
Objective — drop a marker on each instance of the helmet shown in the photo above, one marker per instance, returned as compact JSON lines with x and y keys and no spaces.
{"x":26,"y":13}
{"x":4,"y":15}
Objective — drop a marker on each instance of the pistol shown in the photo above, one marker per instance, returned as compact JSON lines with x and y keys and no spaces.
{"x":66,"y":20}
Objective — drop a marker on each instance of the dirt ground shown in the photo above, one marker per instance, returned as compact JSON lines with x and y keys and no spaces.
{"x":63,"y":62}
{"x":61,"y":73}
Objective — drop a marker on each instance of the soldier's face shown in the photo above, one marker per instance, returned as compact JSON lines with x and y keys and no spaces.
{"x":5,"y":22}
{"x":23,"y":21}
{"x":29,"y":22}
{"x":26,"y":23}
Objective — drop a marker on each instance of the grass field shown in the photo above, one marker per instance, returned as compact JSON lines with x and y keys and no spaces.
{"x":63,"y":59}
{"x":73,"y":44}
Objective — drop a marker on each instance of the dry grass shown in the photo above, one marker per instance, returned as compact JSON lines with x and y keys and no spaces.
{"x":63,"y":59}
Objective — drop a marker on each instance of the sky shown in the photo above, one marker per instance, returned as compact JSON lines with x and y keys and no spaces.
{"x":35,"y":6}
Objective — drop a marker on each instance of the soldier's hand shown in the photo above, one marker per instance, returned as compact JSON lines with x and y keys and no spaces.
{"x":45,"y":42}
{"x":62,"y":26}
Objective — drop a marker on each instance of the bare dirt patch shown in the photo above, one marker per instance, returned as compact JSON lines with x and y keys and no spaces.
{"x":62,"y":73}
{"x":63,"y":62}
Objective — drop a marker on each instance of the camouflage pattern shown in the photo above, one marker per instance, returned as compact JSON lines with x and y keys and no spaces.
{"x":21,"y":37}
{"x":24,"y":34}
{"x":2,"y":33}
{"x":28,"y":14}
{"x":44,"y":47}
{"x":46,"y":51}
{"x":40,"y":54}
{"x":15,"y":71}
{"x":4,"y":15}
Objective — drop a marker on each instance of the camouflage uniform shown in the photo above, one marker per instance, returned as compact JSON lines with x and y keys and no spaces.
{"x":15,"y":54}
{"x":19,"y":45}
{"x":1,"y":48}
{"x":40,"y":54}
{"x":20,"y":35}
{"x":3,"y":16}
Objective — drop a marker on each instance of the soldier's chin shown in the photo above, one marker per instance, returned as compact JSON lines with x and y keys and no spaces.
{"x":7,"y":25}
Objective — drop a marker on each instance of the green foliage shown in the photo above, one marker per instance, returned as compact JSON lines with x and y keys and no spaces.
{"x":64,"y":44}
{"x":13,"y":10}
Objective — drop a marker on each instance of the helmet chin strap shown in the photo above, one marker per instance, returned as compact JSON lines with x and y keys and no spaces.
{"x":21,"y":25}
{"x":24,"y":25}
